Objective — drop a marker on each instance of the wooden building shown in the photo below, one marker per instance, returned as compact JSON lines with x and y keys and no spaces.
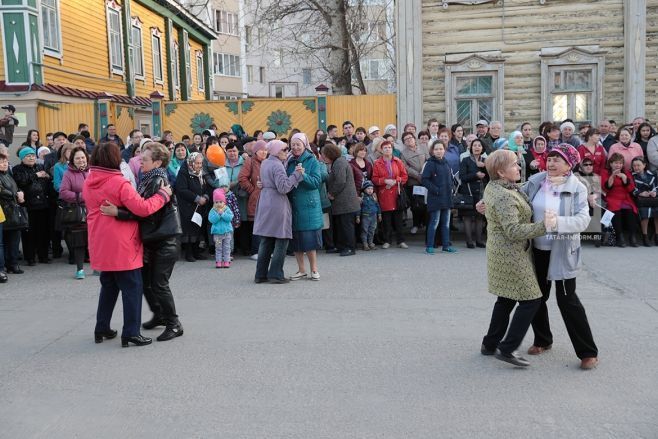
{"x":527,"y":60}
{"x":80,"y":51}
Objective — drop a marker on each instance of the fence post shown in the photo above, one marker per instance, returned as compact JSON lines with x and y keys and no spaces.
{"x":321,"y":92}
{"x":103,"y":113}
{"x":156,"y":113}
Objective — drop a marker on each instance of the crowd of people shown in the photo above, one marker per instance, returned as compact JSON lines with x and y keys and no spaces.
{"x":227,"y":194}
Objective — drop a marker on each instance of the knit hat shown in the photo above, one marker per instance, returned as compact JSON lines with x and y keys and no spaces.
{"x":366,"y":185}
{"x":567,"y":125}
{"x":43,"y":149}
{"x":269,"y":135}
{"x":25,"y":152}
{"x":259,"y":146}
{"x":219,"y":195}
{"x":303,"y":138}
{"x":567,"y":152}
{"x":275,"y":146}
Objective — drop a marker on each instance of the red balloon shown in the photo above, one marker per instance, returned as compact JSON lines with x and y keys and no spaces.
{"x":216,"y":155}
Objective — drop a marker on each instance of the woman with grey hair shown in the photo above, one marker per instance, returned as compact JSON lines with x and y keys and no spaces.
{"x":191,"y":192}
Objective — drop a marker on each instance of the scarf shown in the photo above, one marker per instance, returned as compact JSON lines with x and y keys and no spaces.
{"x":148,"y":177}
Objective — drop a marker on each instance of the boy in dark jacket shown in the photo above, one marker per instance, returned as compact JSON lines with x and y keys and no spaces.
{"x":370,"y":214}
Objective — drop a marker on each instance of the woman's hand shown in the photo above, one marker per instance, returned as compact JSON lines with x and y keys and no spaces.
{"x":203,"y":201}
{"x":109,"y":209}
{"x":550,"y":220}
{"x":259,"y":185}
{"x":534,"y":164}
{"x":480,"y":164}
{"x":166,"y":189}
{"x":481,"y":207}
{"x":591,"y":198}
{"x":42,"y":174}
{"x":644,"y":194}
{"x":20,"y":197}
{"x":623,"y":177}
{"x":480,"y":175}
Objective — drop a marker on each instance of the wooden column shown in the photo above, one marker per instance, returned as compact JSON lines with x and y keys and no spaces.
{"x":635,"y":49}
{"x":409,"y":55}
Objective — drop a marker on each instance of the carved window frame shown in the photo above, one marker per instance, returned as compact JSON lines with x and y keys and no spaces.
{"x":156,"y":40}
{"x":570,"y":58}
{"x":470,"y":65}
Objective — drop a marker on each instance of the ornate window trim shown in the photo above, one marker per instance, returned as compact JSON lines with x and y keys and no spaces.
{"x":136,"y":23}
{"x":111,"y":7}
{"x":446,"y":3}
{"x":157,"y":35}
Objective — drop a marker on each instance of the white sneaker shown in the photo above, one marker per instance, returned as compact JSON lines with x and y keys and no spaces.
{"x":413,"y":230}
{"x":315,"y":275}
{"x":403,"y":245}
{"x":386,"y":245}
{"x":298,"y":276}
{"x":253,"y":257}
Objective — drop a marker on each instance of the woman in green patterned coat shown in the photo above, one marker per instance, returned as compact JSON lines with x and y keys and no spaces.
{"x":307,"y":219}
{"x":509,"y":258}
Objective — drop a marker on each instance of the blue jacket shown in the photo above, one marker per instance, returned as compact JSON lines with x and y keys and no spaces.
{"x":221,"y":224}
{"x":305,"y":198}
{"x":452,"y":157}
{"x":370,"y":206}
{"x":437,"y":178}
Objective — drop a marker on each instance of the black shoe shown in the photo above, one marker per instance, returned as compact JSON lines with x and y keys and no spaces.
{"x":3,"y":277}
{"x":58,"y":254}
{"x":200,"y":257}
{"x":331,"y":250}
{"x":260,"y":280}
{"x":480,"y":245}
{"x":154,"y":323}
{"x":347,"y":253}
{"x":470,"y":245}
{"x":645,"y":241}
{"x":512,"y":358}
{"x":99,"y":336}
{"x":15,"y":270}
{"x":137,"y":340}
{"x":486,"y":351}
{"x":31,"y":263}
{"x":45,"y":261}
{"x":190,"y":258}
{"x":278,"y":281}
{"x":633,"y":241}
{"x":171,"y":332}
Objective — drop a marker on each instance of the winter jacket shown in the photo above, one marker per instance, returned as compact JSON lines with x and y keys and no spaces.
{"x":629,"y":152}
{"x":233,"y":204}
{"x":340,"y":185}
{"x":35,"y":188}
{"x":324,"y":175}
{"x":388,"y":197}
{"x":645,"y":182}
{"x":274,"y":214}
{"x":359,"y":175}
{"x":470,"y":183}
{"x":452,"y":157}
{"x":115,"y":245}
{"x":8,"y":189}
{"x":117,"y":140}
{"x":619,"y":195}
{"x":248,"y":177}
{"x":221,"y":222}
{"x":72,"y":184}
{"x":189,"y":191}
{"x":370,"y":206}
{"x":652,"y":153}
{"x":510,"y":268}
{"x":414,"y":162}
{"x":305,"y":198}
{"x":437,"y":178}
{"x":7,"y":126}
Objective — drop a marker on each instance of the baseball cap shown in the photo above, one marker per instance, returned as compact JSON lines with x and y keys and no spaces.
{"x":269,"y":135}
{"x":10,"y":108}
{"x":482,"y":122}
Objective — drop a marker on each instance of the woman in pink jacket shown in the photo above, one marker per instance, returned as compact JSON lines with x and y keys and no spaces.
{"x":115,"y":247}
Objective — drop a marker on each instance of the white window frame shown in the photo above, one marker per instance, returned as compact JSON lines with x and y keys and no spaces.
{"x":383,"y":66}
{"x":114,"y":8}
{"x":227,"y":61}
{"x":156,"y":35}
{"x":250,"y":74}
{"x":231,"y":20}
{"x":136,"y":23}
{"x":176,"y":65}
{"x":572,"y":58}
{"x":467,"y":65}
{"x":53,"y":11}
{"x":247,"y":38}
{"x":188,"y":67}
{"x":200,"y":76}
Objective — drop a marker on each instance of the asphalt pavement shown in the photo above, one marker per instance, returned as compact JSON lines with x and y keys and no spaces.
{"x":385,"y":345}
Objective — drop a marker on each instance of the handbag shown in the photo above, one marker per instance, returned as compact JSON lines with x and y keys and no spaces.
{"x":69,"y":215}
{"x":16,"y":217}
{"x":647,"y":201}
{"x":463,"y":201}
{"x":163,"y":224}
{"x":402,"y":201}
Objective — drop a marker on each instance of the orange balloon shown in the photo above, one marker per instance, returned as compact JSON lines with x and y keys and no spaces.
{"x":216,"y":155}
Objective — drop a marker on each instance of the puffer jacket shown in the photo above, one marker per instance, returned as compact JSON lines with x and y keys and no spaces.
{"x":35,"y":188}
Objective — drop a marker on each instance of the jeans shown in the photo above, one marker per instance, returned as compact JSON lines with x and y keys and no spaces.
{"x":271,"y":256}
{"x":517,"y":329}
{"x":11,"y":239}
{"x":129,"y":282}
{"x":223,"y":247}
{"x":442,"y":217}
{"x":368,"y":228}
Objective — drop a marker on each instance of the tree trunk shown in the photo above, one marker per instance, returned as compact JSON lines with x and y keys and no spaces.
{"x":339,"y":56}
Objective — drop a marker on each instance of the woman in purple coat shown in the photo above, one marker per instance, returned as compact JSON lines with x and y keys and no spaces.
{"x":70,"y":191}
{"x":273,"y":220}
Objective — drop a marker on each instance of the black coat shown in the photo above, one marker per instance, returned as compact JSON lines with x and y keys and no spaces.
{"x":437,"y":178}
{"x":467,"y":173}
{"x":35,"y":188}
{"x":188,"y":188}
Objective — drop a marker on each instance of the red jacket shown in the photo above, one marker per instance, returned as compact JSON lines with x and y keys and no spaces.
{"x":598,"y":158}
{"x":619,"y":195}
{"x":388,"y":197}
{"x":115,"y":245}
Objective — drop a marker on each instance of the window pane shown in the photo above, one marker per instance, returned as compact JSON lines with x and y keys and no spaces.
{"x":464,"y":112}
{"x":578,"y":79}
{"x":557,"y":80}
{"x":583,"y":101}
{"x":485,"y":109}
{"x":560,"y":103}
{"x":475,"y":85}
{"x":484,"y":85}
{"x":45,"y":23}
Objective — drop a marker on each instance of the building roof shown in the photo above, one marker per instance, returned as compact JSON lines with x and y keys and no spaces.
{"x":77,"y":93}
{"x":183,"y":12}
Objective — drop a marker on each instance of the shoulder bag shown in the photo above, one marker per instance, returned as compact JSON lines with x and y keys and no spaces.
{"x":16,"y":217}
{"x":164,"y":224}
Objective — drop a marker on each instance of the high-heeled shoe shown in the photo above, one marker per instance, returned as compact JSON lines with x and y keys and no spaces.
{"x":99,"y":336}
{"x":137,"y":340}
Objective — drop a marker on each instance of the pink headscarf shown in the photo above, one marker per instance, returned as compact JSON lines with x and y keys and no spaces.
{"x":274,"y":147}
{"x":302,"y":137}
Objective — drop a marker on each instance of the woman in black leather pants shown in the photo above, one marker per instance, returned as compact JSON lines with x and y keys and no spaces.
{"x":159,"y":256}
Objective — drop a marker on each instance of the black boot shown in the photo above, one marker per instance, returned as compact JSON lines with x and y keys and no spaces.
{"x":621,"y":242}
{"x":645,"y":241}
{"x":632,"y":240}
{"x":189,"y":252}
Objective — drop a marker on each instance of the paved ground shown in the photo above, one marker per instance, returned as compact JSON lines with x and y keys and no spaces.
{"x":386,"y":345}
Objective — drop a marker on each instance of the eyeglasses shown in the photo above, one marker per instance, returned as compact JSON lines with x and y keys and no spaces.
{"x":587,"y":164}
{"x":285,"y":149}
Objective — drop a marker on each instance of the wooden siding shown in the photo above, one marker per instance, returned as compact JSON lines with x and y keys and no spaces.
{"x":85,"y":57}
{"x":149,"y":20}
{"x":362,"y":110}
{"x":528,"y":28}
{"x":64,"y":117}
{"x":651,"y":82}
{"x":124,"y":119}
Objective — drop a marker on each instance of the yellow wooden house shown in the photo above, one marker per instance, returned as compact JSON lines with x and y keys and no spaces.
{"x":63,"y":62}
